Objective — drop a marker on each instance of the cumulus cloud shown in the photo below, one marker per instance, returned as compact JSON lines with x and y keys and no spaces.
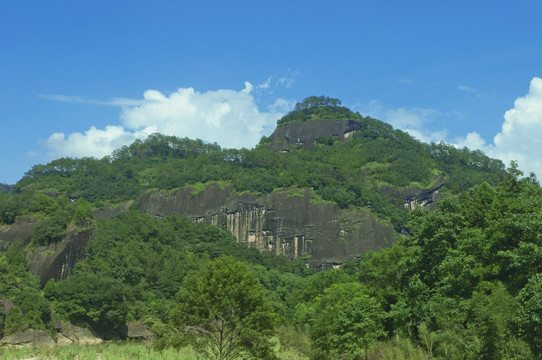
{"x":281,"y":106}
{"x":520,"y":136}
{"x":93,"y":142}
{"x":414,"y":121}
{"x":228,"y":117}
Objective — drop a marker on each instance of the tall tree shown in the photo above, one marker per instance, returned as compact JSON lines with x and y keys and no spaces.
{"x":223,"y":312}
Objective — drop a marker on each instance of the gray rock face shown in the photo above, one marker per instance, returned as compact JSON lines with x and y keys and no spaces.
{"x":78,"y":334}
{"x":28,"y":338}
{"x":57,"y":261}
{"x":137,"y":331}
{"x":283,"y":222}
{"x":288,"y":136}
{"x":20,"y":230}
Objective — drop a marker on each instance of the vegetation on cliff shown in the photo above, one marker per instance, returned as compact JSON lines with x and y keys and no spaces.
{"x":321,"y":108}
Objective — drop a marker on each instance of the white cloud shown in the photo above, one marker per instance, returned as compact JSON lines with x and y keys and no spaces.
{"x":78,"y":99}
{"x":281,"y":106}
{"x":287,"y":81}
{"x":414,"y":121}
{"x":230,"y":118}
{"x":520,"y":138}
{"x":473,"y":140}
{"x":94,"y":142}
{"x":266,"y":84}
{"x":470,"y":90}
{"x":466,"y":88}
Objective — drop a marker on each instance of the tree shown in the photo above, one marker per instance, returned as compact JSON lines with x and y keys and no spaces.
{"x":93,"y":299}
{"x":315,"y":102}
{"x":223,"y":312}
{"x":530,"y":317}
{"x":346,"y":321}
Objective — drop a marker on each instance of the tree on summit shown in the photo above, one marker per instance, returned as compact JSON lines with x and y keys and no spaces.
{"x":315,"y":102}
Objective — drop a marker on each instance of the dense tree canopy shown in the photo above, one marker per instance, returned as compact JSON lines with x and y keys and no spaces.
{"x":224,"y":313}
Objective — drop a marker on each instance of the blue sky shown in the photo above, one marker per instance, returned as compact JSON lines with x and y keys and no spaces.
{"x":81,"y":78}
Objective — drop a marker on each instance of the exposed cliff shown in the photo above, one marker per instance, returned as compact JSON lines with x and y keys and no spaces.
{"x":20,"y":230}
{"x":283,"y":222}
{"x":57,"y":261}
{"x":289,"y":136}
{"x":53,"y":261}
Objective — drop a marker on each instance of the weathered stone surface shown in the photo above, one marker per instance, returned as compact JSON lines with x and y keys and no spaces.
{"x":78,"y":334}
{"x":61,"y":340}
{"x":20,"y":230}
{"x":29,"y":337}
{"x":414,"y":197}
{"x":5,"y":304}
{"x":137,"y":331}
{"x":43,"y":339}
{"x":56,"y":261}
{"x":287,"y":137}
{"x":25,"y":337}
{"x":106,"y":213}
{"x":283,"y":222}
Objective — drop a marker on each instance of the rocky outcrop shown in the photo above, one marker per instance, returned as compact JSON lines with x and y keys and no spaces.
{"x":29,"y":337}
{"x":79,"y":334}
{"x":68,"y":334}
{"x":423,"y":198}
{"x":57,"y":261}
{"x":289,"y":222}
{"x":289,"y":136}
{"x":20,"y":230}
{"x":107,"y":213}
{"x":136,"y":331}
{"x":53,"y":261}
{"x":413,"y":197}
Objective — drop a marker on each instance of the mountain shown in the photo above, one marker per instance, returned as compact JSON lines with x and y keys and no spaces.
{"x":327,"y":186}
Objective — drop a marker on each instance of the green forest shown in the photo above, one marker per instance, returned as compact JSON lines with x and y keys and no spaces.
{"x":463,"y":282}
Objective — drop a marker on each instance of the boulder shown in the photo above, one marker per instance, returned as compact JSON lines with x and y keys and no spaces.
{"x":61,"y":340}
{"x":28,"y":337}
{"x":137,"y":331}
{"x":81,"y":335}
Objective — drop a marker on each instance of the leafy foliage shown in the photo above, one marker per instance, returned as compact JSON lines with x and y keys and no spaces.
{"x":345,"y":321}
{"x":92,"y":299}
{"x":223,"y":312}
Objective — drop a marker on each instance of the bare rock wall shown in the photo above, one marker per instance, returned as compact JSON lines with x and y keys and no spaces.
{"x":283,"y":222}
